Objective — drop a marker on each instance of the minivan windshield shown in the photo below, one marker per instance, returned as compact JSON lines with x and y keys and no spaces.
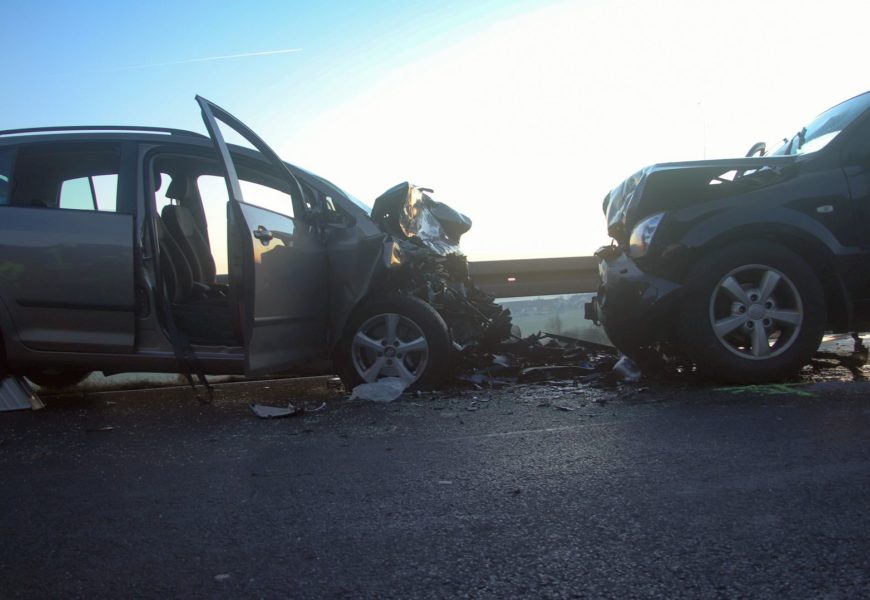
{"x":824,"y":128}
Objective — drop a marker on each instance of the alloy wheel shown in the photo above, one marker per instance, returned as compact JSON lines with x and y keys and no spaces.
{"x":756,"y":312}
{"x":389,"y":345}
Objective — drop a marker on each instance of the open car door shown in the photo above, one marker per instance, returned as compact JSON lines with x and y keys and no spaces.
{"x":277,"y":263}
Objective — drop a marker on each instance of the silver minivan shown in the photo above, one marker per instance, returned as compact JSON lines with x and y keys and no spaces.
{"x":149,"y":249}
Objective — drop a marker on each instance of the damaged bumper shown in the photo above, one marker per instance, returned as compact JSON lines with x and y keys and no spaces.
{"x":630,"y":302}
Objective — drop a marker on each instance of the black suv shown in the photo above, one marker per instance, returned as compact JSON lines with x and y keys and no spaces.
{"x":147,"y":249}
{"x":741,"y":265}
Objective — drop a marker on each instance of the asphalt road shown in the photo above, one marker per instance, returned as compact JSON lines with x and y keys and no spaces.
{"x":659,"y":490}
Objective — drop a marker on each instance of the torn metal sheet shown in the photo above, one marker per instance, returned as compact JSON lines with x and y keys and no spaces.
{"x":387,"y":389}
{"x":549,"y":372}
{"x":16,"y":394}
{"x":408,"y":211}
{"x":274,"y":412}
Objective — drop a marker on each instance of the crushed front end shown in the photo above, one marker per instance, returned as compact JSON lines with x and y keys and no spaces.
{"x":424,"y":260}
{"x":631,"y":304}
{"x":633,"y":301}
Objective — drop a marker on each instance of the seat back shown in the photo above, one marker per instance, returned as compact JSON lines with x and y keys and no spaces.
{"x":192,"y":242}
{"x":174,"y":268}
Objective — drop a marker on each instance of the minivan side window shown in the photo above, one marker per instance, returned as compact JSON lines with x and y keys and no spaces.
{"x":80,"y":176}
{"x":94,"y":192}
{"x":6,"y":157}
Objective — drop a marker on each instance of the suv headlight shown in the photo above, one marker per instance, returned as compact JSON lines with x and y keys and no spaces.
{"x":642,"y":235}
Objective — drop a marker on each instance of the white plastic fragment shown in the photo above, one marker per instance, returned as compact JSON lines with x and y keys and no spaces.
{"x":383,"y":390}
{"x":627,"y":370}
{"x":273,"y":412}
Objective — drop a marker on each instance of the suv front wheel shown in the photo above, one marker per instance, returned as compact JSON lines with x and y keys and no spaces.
{"x":754,"y":312}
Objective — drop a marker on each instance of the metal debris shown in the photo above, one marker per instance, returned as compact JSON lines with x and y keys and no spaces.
{"x":16,"y":394}
{"x":773,"y":389}
{"x":550,"y":372}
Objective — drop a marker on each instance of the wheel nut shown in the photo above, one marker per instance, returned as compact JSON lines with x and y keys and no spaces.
{"x":753,"y":297}
{"x":396,"y":344}
{"x":750,"y":324}
{"x":768,"y":305}
{"x":742,"y":309}
{"x":767,"y":322}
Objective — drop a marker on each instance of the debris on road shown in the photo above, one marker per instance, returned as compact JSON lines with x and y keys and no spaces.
{"x":275,"y":412}
{"x":100,"y":429}
{"x":16,"y":394}
{"x":383,"y":390}
{"x":768,"y":389}
{"x":627,"y":370}
{"x":550,"y":372}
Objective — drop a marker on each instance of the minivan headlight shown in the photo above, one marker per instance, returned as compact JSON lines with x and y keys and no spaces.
{"x":642,"y":235}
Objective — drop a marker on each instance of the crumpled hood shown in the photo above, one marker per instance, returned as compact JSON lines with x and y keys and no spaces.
{"x":409,"y":212}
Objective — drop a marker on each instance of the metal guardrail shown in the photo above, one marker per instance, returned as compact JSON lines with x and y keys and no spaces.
{"x":536,"y":276}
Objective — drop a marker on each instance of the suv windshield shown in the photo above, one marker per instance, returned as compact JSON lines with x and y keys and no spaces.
{"x":825,"y":127}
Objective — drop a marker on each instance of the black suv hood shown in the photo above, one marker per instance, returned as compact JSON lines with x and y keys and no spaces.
{"x":666,"y":186}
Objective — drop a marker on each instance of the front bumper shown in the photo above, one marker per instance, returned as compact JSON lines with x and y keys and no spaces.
{"x":633,"y":306}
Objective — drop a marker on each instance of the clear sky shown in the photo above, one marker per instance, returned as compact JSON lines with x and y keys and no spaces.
{"x":521,"y":114}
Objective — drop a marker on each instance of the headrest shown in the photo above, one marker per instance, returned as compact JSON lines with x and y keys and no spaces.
{"x":179,"y":188}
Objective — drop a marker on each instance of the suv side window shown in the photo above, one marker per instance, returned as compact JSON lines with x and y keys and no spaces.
{"x":66,"y":176}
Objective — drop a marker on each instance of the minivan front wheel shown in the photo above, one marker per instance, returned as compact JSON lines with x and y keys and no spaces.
{"x":394,"y":336}
{"x":754,"y":312}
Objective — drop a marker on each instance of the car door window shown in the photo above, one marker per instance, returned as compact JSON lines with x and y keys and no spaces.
{"x":95,"y":192}
{"x":66,"y":176}
{"x":213,"y":192}
{"x":267,"y":197}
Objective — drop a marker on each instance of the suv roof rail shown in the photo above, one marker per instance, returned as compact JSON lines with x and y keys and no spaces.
{"x":118,"y":128}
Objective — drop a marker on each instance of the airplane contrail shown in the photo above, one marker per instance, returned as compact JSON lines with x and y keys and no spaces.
{"x":209,"y":58}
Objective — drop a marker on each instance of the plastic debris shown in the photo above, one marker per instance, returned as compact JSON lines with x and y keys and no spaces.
{"x":16,"y":394}
{"x":627,"y":370}
{"x":274,"y":412}
{"x":383,"y":390}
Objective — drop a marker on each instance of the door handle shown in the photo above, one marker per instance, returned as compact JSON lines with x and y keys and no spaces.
{"x":263,"y":234}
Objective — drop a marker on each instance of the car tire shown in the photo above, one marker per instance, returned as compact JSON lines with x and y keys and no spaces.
{"x":57,"y":379}
{"x":754,"y":312}
{"x":394,"y":335}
